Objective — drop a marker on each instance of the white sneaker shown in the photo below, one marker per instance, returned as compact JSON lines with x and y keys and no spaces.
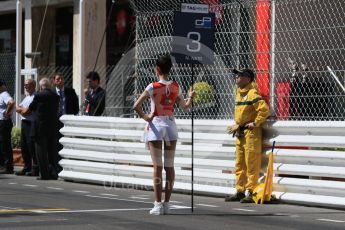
{"x":166,"y":208}
{"x":157,"y":209}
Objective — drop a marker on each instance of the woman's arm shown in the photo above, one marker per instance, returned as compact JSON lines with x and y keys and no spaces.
{"x":138,"y":107}
{"x":186,"y":105}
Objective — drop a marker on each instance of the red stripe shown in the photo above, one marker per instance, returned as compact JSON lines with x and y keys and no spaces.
{"x":263,"y":46}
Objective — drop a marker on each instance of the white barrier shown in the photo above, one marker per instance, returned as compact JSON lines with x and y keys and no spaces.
{"x":107,"y":150}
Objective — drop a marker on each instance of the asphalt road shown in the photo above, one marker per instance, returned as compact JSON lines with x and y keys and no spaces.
{"x":26,"y":203}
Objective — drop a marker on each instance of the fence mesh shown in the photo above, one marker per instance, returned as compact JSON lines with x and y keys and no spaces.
{"x":296,"y":48}
{"x":49,"y":72}
{"x":8,"y":70}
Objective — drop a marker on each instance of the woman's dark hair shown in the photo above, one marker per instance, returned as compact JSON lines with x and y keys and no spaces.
{"x":164,"y":63}
{"x":93,"y":75}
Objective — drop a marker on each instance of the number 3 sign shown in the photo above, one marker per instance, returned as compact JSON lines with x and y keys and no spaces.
{"x":193,"y":38}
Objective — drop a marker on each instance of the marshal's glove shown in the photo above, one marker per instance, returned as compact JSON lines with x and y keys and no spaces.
{"x":232,"y":129}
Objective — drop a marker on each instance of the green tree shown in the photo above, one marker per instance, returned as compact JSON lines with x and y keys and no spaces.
{"x":204,"y":93}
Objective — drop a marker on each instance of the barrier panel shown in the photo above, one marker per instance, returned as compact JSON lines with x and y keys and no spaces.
{"x":308,"y":161}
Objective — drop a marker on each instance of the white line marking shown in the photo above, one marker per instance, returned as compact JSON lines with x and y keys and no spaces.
{"x":141,"y":195}
{"x":80,"y":191}
{"x":5,"y":207}
{"x":245,"y":210}
{"x":13,"y":183}
{"x":113,"y":198}
{"x":137,"y":201}
{"x":39,"y":211}
{"x":176,"y":202}
{"x":139,"y":198}
{"x":107,"y":194}
{"x":179,"y":207}
{"x":208,"y":205}
{"x":54,"y":188}
{"x":99,"y":210}
{"x":29,"y":185}
{"x":20,"y":221}
{"x":329,"y":220}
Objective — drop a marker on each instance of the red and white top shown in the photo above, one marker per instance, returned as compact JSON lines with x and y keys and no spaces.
{"x":163,"y":96}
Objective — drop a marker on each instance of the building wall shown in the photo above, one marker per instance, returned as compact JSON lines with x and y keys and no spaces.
{"x":46,"y":42}
{"x":94,"y":26}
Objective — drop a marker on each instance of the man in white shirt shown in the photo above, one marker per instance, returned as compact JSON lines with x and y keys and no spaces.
{"x":28,"y":145}
{"x":6,"y":124}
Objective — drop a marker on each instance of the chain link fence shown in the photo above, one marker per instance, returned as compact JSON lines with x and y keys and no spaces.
{"x":116,"y":82}
{"x":50,"y":71}
{"x":296,"y":48}
{"x":8,"y":71}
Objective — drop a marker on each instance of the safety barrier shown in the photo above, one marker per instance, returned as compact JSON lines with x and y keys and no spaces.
{"x":109,"y":151}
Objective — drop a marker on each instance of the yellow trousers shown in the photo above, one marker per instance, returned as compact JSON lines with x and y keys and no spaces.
{"x":248,"y":159}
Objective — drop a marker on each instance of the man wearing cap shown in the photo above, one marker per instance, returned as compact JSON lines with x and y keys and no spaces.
{"x":251,"y":111}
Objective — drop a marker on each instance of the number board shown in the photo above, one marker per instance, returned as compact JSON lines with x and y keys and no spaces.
{"x":193,"y":38}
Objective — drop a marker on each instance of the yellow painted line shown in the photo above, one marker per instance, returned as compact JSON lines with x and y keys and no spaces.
{"x":32,"y":210}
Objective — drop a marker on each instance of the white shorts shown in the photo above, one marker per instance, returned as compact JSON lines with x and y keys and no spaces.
{"x":162,"y":128}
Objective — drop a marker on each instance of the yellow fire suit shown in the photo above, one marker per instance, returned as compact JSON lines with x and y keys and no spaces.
{"x":249,"y":107}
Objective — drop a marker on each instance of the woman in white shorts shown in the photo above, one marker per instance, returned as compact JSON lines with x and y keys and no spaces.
{"x":162,"y":129}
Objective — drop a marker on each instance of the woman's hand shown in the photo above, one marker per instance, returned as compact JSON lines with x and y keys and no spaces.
{"x":148,"y":117}
{"x":191,"y":93}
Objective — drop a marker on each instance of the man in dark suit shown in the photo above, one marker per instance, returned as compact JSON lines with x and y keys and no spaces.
{"x":68,"y":105}
{"x":45,"y":106}
{"x":94,"y":96}
{"x":68,"y":98}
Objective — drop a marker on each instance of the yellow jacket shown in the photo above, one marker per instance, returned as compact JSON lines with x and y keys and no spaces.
{"x":250,"y":106}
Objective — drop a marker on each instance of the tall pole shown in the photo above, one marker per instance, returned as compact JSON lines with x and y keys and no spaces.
{"x":82,"y":46}
{"x":28,"y":34}
{"x":262,"y":48}
{"x":192,"y":201}
{"x":18,"y":56}
{"x":272,"y":58}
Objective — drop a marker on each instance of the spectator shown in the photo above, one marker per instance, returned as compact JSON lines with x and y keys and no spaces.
{"x":46,"y":106}
{"x":6,"y":124}
{"x":94,"y":96}
{"x":250,"y":112}
{"x":27,"y":143}
{"x":68,"y":98}
{"x":68,"y":105}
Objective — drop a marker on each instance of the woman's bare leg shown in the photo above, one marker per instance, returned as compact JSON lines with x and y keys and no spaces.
{"x":169,"y":152}
{"x":156,"y":155}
